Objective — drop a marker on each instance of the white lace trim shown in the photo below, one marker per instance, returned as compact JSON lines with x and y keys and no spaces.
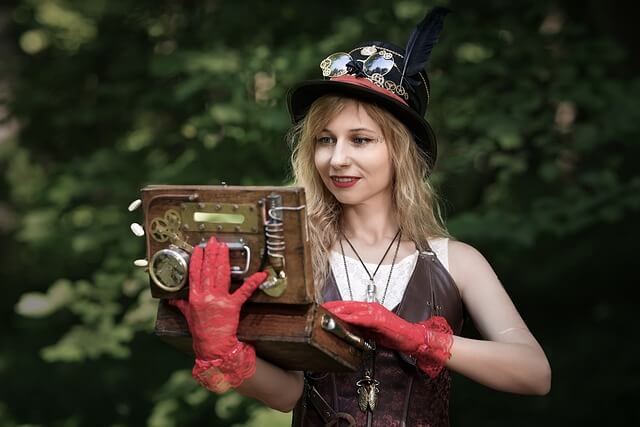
{"x":399,"y":278}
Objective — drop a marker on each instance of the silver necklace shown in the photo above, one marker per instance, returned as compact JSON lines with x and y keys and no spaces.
{"x":371,"y":286}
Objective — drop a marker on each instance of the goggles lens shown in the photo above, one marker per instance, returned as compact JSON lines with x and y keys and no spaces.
{"x":378,"y":64}
{"x":335,"y":65}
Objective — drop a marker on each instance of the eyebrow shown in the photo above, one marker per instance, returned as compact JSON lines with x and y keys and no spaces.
{"x":351,"y":130}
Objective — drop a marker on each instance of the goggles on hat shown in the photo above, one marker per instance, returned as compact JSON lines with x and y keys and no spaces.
{"x":378,"y":64}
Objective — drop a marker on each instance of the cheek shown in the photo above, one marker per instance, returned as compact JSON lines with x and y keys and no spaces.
{"x":386,"y":168}
{"x":320,"y":159}
{"x":390,"y":168}
{"x":383,"y":161}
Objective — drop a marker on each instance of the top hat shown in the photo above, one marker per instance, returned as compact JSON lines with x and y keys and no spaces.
{"x":383,"y":74}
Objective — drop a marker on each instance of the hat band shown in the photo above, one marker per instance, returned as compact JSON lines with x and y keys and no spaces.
{"x":369,"y":85}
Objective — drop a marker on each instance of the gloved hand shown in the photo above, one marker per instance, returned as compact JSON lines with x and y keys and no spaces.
{"x":213,"y":315}
{"x":428,"y":341}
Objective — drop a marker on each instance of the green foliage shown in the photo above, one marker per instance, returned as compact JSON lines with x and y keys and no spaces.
{"x":536,"y":141}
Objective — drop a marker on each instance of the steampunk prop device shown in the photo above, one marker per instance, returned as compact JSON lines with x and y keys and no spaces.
{"x":265,"y":229}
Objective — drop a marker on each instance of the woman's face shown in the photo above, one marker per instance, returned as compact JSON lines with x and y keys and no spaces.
{"x":353,"y":158}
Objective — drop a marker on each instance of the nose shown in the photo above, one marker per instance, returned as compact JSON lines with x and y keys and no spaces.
{"x":341,"y":155}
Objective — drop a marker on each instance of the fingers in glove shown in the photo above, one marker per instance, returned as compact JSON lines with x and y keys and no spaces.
{"x":249,"y":286}
{"x":372,"y":315}
{"x":216,"y":260}
{"x":195,"y":273}
{"x":354,"y":319}
{"x":348,"y":311}
{"x":347,"y":307}
{"x":222,"y":268}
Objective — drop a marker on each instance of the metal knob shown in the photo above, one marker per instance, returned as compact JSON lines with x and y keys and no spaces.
{"x":137,"y":229}
{"x":134,"y":205}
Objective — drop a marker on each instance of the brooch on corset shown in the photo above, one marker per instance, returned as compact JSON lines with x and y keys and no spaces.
{"x":367,"y":392}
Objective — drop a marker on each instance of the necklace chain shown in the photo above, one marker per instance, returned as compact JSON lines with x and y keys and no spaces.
{"x":371,"y":276}
{"x":368,"y":386}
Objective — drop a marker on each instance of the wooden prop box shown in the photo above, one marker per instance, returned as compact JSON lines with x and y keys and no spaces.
{"x":265,"y":229}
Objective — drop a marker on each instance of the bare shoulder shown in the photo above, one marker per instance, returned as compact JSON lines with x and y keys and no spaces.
{"x":468,"y":266}
{"x":487,"y":301}
{"x":462,"y":250}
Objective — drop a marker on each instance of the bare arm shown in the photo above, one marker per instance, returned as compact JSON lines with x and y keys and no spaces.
{"x":276,"y":388}
{"x":510,"y":359}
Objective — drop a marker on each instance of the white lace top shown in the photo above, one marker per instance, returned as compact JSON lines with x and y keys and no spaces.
{"x":399,"y":277}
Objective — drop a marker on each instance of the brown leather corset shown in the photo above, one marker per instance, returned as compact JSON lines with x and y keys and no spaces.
{"x":407,"y":396}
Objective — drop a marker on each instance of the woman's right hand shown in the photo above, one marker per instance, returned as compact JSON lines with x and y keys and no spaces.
{"x":213,"y":315}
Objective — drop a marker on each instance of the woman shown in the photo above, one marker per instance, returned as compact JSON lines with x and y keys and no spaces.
{"x":382,"y":260}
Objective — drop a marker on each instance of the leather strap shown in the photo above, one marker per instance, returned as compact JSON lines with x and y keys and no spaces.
{"x":405,"y":405}
{"x":326,"y":412}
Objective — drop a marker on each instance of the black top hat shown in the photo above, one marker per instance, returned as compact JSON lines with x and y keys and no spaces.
{"x":383,"y":74}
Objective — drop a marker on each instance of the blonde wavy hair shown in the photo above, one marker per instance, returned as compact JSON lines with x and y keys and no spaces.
{"x":414,"y":200}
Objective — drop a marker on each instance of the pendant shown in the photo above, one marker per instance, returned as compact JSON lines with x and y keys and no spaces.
{"x":367,"y":392}
{"x":371,"y":292}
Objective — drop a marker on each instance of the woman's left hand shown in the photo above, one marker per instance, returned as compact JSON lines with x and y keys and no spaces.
{"x":391,"y":330}
{"x":429,"y":341}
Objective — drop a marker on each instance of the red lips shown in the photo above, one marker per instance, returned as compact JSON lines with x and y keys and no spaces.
{"x":344,"y":181}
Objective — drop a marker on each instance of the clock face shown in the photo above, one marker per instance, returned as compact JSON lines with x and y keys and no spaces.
{"x":169,"y":270}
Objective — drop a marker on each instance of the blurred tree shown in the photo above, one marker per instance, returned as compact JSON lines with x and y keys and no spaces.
{"x":536,"y":112}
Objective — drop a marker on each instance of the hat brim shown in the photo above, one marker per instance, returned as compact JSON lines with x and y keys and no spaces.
{"x":301,"y":96}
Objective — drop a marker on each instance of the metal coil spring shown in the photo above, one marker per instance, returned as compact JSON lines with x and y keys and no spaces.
{"x":274,"y":230}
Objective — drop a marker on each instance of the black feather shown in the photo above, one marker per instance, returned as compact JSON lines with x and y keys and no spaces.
{"x":421,"y":41}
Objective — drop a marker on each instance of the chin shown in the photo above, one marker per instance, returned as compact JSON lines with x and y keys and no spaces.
{"x":349,"y":199}
{"x":353,"y":196}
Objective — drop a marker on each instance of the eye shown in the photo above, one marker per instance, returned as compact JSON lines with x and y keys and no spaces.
{"x":324,"y":140}
{"x":362,"y":140}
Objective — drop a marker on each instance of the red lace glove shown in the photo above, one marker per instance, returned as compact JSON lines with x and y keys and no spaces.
{"x":428,"y":341}
{"x":213,"y":315}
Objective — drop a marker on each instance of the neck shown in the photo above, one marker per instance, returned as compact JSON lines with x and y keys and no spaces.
{"x":370,"y":223}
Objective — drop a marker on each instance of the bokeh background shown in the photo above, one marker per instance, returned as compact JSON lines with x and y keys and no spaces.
{"x":536,"y":106}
